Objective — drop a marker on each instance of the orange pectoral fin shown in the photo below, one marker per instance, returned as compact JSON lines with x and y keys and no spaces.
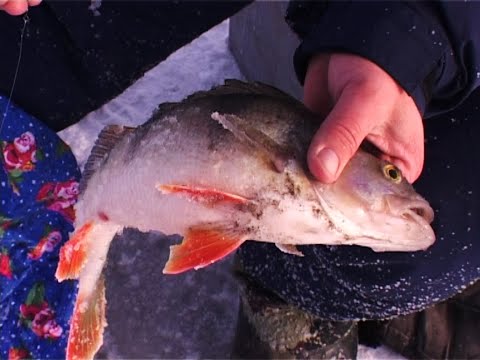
{"x":202,"y":246}
{"x":87,"y":325}
{"x":203,"y":195}
{"x":73,"y":254}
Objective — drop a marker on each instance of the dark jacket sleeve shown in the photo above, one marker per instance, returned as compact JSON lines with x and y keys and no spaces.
{"x":432,"y":49}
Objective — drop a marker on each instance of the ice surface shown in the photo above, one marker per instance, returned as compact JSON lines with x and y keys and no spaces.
{"x":151,"y":315}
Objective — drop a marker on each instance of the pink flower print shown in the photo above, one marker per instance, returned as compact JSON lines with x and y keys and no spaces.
{"x":21,"y":154}
{"x":53,"y":239}
{"x":45,"y":326}
{"x":28,"y":312}
{"x":67,"y":190}
{"x":60,"y":197}
{"x":46,"y":244}
{"x":51,"y":330}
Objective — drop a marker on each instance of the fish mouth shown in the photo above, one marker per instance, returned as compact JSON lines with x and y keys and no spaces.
{"x":394,"y":223}
{"x":417,"y":235}
{"x":417,"y":210}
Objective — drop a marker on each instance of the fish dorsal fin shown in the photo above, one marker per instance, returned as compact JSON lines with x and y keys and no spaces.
{"x":258,"y":88}
{"x":163,"y":108}
{"x":278,"y":155}
{"x":230,"y":87}
{"x":238,"y":87}
{"x":108,"y":137}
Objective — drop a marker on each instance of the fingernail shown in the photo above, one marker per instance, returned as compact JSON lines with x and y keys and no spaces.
{"x":328,"y":161}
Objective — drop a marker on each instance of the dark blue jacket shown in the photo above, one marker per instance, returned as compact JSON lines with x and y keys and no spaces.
{"x":432,"y":49}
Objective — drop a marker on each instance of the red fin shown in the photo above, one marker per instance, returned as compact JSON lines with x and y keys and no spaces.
{"x":73,"y":254}
{"x":204,"y":195}
{"x":87,"y":324}
{"x":202,"y":246}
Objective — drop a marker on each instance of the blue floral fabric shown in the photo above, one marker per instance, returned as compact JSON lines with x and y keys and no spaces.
{"x":38,"y":187}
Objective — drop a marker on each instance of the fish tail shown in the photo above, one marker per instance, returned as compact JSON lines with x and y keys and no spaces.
{"x":87,"y":324}
{"x":90,"y":244}
{"x":73,"y":254}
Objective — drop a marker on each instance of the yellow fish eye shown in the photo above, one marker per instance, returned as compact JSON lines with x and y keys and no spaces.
{"x":392,"y":173}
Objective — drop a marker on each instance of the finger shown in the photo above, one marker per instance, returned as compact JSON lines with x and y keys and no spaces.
{"x":358,"y":110}
{"x":315,"y":88}
{"x":415,"y":148}
{"x":404,"y":146}
{"x":15,"y":7}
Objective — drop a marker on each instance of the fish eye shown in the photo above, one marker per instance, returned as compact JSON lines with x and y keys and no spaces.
{"x":392,"y":173}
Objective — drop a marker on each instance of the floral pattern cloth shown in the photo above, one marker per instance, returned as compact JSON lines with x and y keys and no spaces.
{"x":38,"y":188}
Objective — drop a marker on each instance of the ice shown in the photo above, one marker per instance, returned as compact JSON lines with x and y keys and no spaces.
{"x":151,"y":315}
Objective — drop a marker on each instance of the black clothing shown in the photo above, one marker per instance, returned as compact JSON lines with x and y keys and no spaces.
{"x":352,"y":282}
{"x":431,"y":48}
{"x":433,"y":51}
{"x":68,"y":70}
{"x":74,"y":61}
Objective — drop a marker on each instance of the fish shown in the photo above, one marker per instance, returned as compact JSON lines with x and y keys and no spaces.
{"x":221,"y":167}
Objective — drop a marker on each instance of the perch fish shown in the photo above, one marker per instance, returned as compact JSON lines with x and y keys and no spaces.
{"x":222,"y":167}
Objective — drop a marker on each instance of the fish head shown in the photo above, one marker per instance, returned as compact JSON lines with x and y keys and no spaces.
{"x":373,"y":205}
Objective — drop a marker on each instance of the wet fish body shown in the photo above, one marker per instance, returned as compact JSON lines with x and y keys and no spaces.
{"x":219,"y":168}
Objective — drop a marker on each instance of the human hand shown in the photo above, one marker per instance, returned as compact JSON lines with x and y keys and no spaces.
{"x":17,"y":7}
{"x":361,"y":102}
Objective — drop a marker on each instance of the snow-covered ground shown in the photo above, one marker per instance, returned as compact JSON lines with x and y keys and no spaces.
{"x":150,"y":315}
{"x":203,"y":63}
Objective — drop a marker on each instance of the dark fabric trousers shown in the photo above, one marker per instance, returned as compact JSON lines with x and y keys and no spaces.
{"x":448,"y":330}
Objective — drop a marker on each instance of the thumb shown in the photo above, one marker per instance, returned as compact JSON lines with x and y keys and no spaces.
{"x":354,"y":115}
{"x":14,"y":7}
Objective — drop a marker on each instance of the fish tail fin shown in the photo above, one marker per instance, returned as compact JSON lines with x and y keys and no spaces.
{"x":73,"y":254}
{"x":203,"y":245}
{"x":87,"y":324}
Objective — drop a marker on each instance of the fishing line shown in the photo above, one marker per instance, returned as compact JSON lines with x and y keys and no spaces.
{"x":26,"y":19}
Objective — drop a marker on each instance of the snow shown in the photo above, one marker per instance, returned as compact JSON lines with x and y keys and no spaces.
{"x":191,"y":315}
{"x":382,"y":352}
{"x":207,"y":60}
